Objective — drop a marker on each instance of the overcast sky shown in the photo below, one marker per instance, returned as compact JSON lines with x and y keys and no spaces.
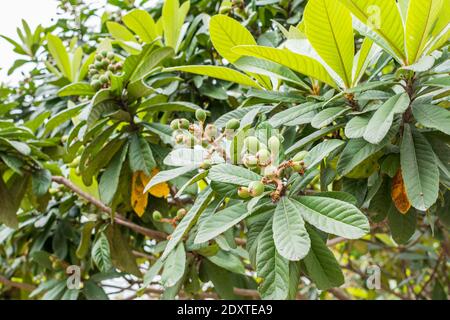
{"x":34,"y":12}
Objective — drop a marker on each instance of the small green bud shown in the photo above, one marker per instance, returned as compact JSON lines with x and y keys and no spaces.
{"x":211,"y":132}
{"x":243,"y":192}
{"x":298,"y":166}
{"x":111,"y":68}
{"x":207,"y":164}
{"x":104,"y":53}
{"x":200,"y":115}
{"x":175,"y":124}
{"x":256,"y":188}
{"x":300,"y":156}
{"x":271,"y":172}
{"x":104,"y":79}
{"x":252,"y":144}
{"x":274,"y":144}
{"x":98,"y":65}
{"x":98,"y":57}
{"x":184,"y":124}
{"x":181,"y":213}
{"x":110,"y":56}
{"x":233,"y":124}
{"x":263,"y":156}
{"x":119,"y":65}
{"x":157,"y":216}
{"x":250,"y":161}
{"x":96,"y":84}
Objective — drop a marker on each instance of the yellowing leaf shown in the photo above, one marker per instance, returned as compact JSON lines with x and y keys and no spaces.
{"x":398,"y":193}
{"x":139,"y":199}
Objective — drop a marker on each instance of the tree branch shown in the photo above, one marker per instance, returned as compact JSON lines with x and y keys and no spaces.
{"x":18,"y":285}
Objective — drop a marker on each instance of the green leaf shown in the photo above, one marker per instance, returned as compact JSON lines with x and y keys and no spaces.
{"x":295,"y":115}
{"x":227,"y":33}
{"x":167,"y":175}
{"x":148,"y":62}
{"x":152,"y":272}
{"x":141,"y":23}
{"x":173,"y":16}
{"x":119,"y":32}
{"x":218,"y":72}
{"x":59,"y":53}
{"x":358,"y":150}
{"x":61,"y":117}
{"x":296,"y":62}
{"x":402,"y":226}
{"x":174,"y":267}
{"x":109,"y":180}
{"x":140,"y":155}
{"x":93,"y":291}
{"x":41,"y":181}
{"x":240,"y":113}
{"x":432,"y":116}
{"x":420,"y":21}
{"x":356,"y":127}
{"x":327,"y":116}
{"x":333,"y":216}
{"x":316,"y":135}
{"x":289,"y":233}
{"x":383,"y":19}
{"x":122,"y":256}
{"x":188,"y":220}
{"x":321,"y":264}
{"x":271,"y":266}
{"x":227,"y":173}
{"x":180,"y":106}
{"x":381,"y":122}
{"x":221,"y":221}
{"x":228,"y":261}
{"x":101,"y":254}
{"x":77,"y":89}
{"x":11,"y":199}
{"x":419,"y":169}
{"x":328,"y":26}
{"x":321,"y":151}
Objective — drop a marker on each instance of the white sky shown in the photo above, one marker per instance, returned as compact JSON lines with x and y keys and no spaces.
{"x":34,"y":12}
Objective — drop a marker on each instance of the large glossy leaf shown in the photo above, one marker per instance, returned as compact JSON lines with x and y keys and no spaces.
{"x":296,"y":62}
{"x":402,"y":226}
{"x":140,"y":155}
{"x":333,"y":216}
{"x":421,"y":19}
{"x":381,"y":122}
{"x":356,"y":127}
{"x":221,"y":222}
{"x":141,"y":23}
{"x":188,"y":220}
{"x":432,"y":116}
{"x":173,"y":16}
{"x":327,"y":116}
{"x":174,"y":267}
{"x":59,"y":53}
{"x":119,"y":32}
{"x":109,"y":181}
{"x":321,"y":151}
{"x":271,"y":266}
{"x":227,"y":173}
{"x":222,"y":73}
{"x":328,"y":26}
{"x":294,"y":115}
{"x":312,"y":137}
{"x":358,"y":150}
{"x":77,"y":89}
{"x":289,"y":233}
{"x":101,"y":254}
{"x":167,"y":175}
{"x":419,"y":169}
{"x":383,"y":18}
{"x":321,"y":264}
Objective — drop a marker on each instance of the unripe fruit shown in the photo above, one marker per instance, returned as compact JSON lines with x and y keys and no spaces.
{"x":98,"y":65}
{"x":250,"y":161}
{"x":98,"y":57}
{"x":300,"y":156}
{"x":119,"y":65}
{"x":111,"y":68}
{"x":96,"y":84}
{"x":263,"y":157}
{"x":298,"y":166}
{"x":256,"y":188}
{"x":157,"y":216}
{"x":104,"y":53}
{"x":181,"y":213}
{"x":179,"y":138}
{"x":184,"y":124}
{"x":75,"y":163}
{"x":252,"y":144}
{"x":175,"y":124}
{"x":270,"y":171}
{"x":211,"y":132}
{"x":274,"y":144}
{"x":243,"y":192}
{"x":104,"y":79}
{"x":110,"y":55}
{"x":207,"y":164}
{"x":233,"y":124}
{"x":200,"y":115}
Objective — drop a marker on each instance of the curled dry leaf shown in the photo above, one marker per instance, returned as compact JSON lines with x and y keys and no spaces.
{"x":398,"y":193}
